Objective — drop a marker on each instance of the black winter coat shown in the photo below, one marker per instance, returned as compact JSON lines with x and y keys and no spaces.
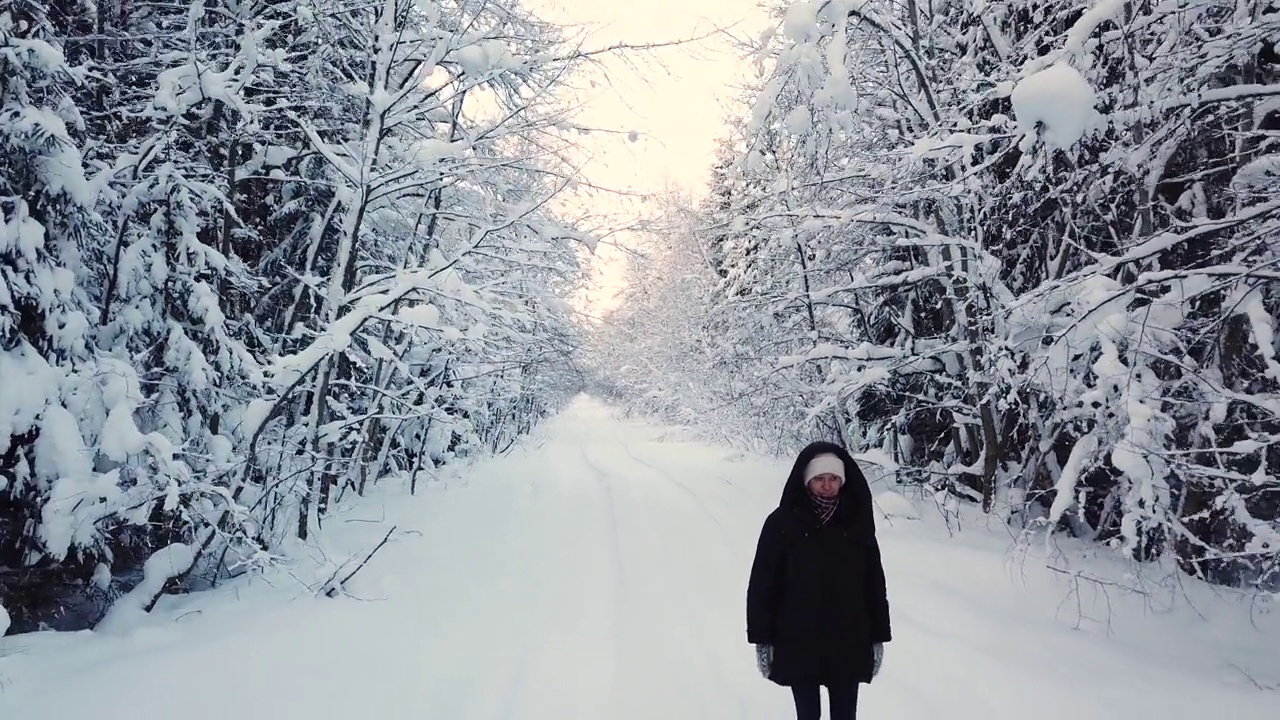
{"x":817,"y":592}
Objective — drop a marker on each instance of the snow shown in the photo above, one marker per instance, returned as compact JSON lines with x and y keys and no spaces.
{"x":29,"y":383}
{"x":439,"y":149}
{"x":598,"y":570}
{"x":1258,"y":174}
{"x":185,"y":86}
{"x":1102,"y":11}
{"x":425,"y":315}
{"x":485,"y":57}
{"x":79,"y":497}
{"x":1059,"y":98}
{"x":22,"y":237}
{"x":893,"y":504}
{"x":286,"y":369}
{"x":1263,"y":329}
{"x":799,"y":121}
{"x":255,"y":414}
{"x":992,"y":28}
{"x":1065,"y":488}
{"x":131,"y":609}
{"x":801,"y":20}
{"x":806,"y":19}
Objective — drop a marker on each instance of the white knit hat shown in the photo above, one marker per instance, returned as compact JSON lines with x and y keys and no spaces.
{"x":824,"y":463}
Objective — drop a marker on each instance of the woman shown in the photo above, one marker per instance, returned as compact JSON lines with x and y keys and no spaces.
{"x":817,"y":609}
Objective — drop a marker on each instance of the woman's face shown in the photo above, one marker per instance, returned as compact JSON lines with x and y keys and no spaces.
{"x":826,"y":485}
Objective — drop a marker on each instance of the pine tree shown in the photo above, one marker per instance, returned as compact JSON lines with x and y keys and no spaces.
{"x":51,"y":492}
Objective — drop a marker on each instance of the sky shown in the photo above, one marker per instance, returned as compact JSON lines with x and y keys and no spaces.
{"x":675,"y":101}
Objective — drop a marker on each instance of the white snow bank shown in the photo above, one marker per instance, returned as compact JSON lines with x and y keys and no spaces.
{"x":896,"y":505}
{"x":131,"y":609}
{"x":4,"y":620}
{"x":1060,"y":99}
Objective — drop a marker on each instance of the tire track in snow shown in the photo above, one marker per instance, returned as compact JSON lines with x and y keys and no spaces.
{"x":570,"y":609}
{"x":517,"y":682}
{"x":671,"y":478}
{"x":615,"y":534}
{"x":654,"y":647}
{"x":622,"y":591}
{"x":695,"y":651}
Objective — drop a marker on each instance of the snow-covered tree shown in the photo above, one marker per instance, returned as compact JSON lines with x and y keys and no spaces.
{"x":262,"y":254}
{"x":649,"y":353}
{"x":1029,"y":243}
{"x":432,"y":241}
{"x":52,"y":492}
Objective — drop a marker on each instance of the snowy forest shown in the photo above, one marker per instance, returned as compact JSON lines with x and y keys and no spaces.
{"x":1018,"y":255}
{"x":258,"y":256}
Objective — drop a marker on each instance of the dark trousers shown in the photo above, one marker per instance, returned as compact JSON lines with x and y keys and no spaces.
{"x":843,"y":702}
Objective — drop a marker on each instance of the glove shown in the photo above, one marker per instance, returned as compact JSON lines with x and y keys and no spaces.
{"x":877,"y":656}
{"x":764,"y":659}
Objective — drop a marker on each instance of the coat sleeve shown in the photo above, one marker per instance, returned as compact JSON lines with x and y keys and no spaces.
{"x":877,"y":596}
{"x":764,"y":587}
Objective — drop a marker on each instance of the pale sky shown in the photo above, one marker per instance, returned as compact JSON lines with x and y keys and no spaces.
{"x":677,"y":108}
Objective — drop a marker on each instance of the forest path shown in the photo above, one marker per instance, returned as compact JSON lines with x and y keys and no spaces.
{"x":598,"y":571}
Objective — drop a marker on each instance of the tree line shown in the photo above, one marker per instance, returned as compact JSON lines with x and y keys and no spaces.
{"x":257,"y":256}
{"x":1017,"y":254}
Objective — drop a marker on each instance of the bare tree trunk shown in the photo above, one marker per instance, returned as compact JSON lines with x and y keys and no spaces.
{"x":228,"y":218}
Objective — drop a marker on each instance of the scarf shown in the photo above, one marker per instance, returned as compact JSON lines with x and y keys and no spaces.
{"x":825,"y":508}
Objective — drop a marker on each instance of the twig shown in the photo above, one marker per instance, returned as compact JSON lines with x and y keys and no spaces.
{"x":1250,"y":678}
{"x":1098,"y":581}
{"x":332,"y":591}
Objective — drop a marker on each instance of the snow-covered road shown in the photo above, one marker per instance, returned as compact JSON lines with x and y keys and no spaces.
{"x":598,"y":572}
